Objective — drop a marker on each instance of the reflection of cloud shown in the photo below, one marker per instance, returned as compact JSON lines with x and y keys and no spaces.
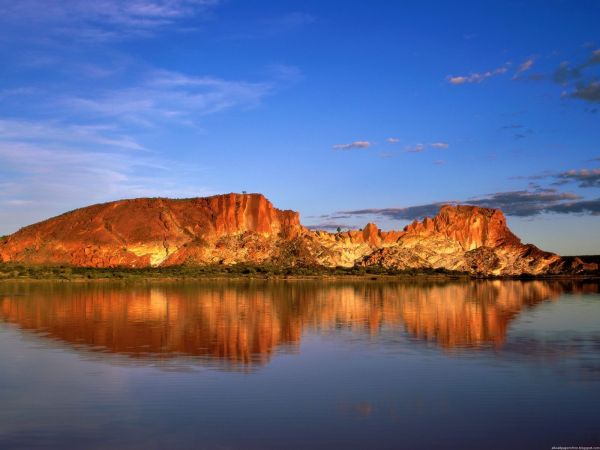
{"x":361,"y":409}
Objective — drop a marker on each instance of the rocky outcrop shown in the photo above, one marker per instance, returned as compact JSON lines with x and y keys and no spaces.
{"x":246,"y":228}
{"x":156,"y":231}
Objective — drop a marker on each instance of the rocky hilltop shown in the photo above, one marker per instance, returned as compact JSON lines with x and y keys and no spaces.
{"x":247,"y":228}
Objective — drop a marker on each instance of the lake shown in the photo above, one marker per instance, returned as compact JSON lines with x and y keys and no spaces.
{"x":300,"y":364}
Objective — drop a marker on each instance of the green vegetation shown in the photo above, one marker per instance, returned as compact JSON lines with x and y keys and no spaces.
{"x":10,"y":271}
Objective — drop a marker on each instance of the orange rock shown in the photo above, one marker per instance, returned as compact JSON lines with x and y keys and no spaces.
{"x":246,"y":228}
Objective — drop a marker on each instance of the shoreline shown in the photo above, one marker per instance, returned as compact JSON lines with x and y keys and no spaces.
{"x":69,"y":274}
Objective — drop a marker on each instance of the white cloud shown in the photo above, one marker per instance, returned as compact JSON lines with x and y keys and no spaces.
{"x":47,"y":179}
{"x":477,"y":77}
{"x":169,"y":96}
{"x":439,"y":145}
{"x":54,"y":131}
{"x":415,"y":148}
{"x":524,"y":67}
{"x":102,"y":20}
{"x":392,"y":140}
{"x":352,"y":145}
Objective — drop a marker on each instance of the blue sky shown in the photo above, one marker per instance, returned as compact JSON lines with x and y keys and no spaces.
{"x":348,"y":112}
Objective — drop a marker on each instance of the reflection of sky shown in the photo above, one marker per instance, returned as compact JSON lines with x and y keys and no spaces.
{"x":341,"y":388}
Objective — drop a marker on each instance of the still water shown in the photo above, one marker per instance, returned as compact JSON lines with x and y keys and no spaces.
{"x":286,"y":365}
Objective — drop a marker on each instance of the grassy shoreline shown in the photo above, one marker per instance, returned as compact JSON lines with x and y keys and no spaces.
{"x":22,"y":272}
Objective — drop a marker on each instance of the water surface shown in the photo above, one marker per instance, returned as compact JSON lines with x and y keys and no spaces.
{"x":248,"y":364}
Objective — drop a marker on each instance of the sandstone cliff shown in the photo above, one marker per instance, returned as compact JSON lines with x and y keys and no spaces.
{"x":246,"y":228}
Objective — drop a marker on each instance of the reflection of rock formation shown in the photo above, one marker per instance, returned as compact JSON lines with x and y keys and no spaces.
{"x":473,"y":314}
{"x":245,"y":322}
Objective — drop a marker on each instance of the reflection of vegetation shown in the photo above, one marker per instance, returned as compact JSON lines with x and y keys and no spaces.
{"x":21,"y":271}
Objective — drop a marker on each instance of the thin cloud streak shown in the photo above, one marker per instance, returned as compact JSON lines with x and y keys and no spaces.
{"x":585,"y":178}
{"x":440,"y":145}
{"x":170,"y":96}
{"x":524,"y":203}
{"x":524,"y":67}
{"x":57,"y":132}
{"x":103,"y":20}
{"x":476,"y":77}
{"x":51,"y":178}
{"x":352,"y":146}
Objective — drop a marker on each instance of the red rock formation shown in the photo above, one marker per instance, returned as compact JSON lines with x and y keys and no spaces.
{"x":146,"y":231}
{"x":246,"y":228}
{"x":472,"y":227}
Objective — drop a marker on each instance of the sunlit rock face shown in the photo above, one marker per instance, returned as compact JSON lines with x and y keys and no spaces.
{"x":155,"y":231}
{"x":246,"y":228}
{"x":246,"y":323}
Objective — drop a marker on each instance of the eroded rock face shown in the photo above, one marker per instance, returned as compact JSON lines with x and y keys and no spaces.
{"x":246,"y":228}
{"x":156,"y":231}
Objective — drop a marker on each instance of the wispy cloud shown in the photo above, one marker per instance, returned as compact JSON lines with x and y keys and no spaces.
{"x":521,"y":203}
{"x":440,"y":145}
{"x":407,"y":213}
{"x":418,"y":148}
{"x":566,"y":72}
{"x":102,"y":20}
{"x":269,"y":27}
{"x":44,"y":179}
{"x":524,"y":67}
{"x":589,"y":92}
{"x":585,"y":178}
{"x":57,"y":132}
{"x":168,"y":96}
{"x":525,"y":203}
{"x":579,"y":81}
{"x":50,"y":166}
{"x":392,"y":140}
{"x":476,"y":77}
{"x":332,"y":226}
{"x":352,"y":146}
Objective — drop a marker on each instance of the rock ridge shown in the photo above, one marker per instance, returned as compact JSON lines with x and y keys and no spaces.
{"x":246,"y":228}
